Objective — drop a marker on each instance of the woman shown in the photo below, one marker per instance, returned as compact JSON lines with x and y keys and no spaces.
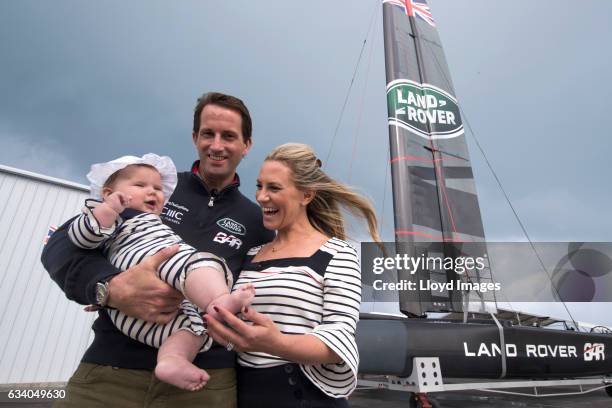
{"x":297,"y":343}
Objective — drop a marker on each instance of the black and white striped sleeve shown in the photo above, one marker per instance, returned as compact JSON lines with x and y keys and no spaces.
{"x":86,"y":232}
{"x":341,"y":300}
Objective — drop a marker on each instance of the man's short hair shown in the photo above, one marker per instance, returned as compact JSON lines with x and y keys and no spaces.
{"x":228,"y":102}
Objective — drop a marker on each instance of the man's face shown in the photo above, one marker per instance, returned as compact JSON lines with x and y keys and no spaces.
{"x":220,"y":145}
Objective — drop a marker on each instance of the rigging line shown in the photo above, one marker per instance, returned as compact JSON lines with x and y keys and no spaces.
{"x":348,"y":92}
{"x":499,"y":184}
{"x":360,"y":114}
{"x":518,"y":219}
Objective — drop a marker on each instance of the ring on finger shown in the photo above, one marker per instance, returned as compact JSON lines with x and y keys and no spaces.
{"x":229,"y":346}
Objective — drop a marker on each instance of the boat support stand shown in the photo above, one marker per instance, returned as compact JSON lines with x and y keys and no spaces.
{"x":427,"y":377}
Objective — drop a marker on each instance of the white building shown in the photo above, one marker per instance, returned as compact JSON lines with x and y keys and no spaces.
{"x":42,"y":334}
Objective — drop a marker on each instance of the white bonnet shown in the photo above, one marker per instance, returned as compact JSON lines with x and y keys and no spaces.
{"x":100,"y":172}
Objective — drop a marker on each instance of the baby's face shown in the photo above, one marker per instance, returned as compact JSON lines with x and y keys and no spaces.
{"x":144,"y":186}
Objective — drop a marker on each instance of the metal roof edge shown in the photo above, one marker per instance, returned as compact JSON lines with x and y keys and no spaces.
{"x":42,"y":177}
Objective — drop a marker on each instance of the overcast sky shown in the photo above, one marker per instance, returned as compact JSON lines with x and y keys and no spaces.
{"x":84,"y":81}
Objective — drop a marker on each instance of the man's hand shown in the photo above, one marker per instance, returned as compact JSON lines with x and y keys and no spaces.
{"x":138,"y":292}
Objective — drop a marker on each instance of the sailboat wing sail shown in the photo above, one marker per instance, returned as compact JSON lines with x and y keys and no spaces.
{"x":434,"y":193}
{"x":437,"y":214}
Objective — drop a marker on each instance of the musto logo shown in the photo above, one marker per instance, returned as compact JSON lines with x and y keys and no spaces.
{"x":594,"y":351}
{"x":424,"y":110}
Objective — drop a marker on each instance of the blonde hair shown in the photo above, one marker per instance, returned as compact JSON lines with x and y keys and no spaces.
{"x":324,"y":210}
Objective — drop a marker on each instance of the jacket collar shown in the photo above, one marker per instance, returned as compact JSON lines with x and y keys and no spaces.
{"x":230,"y":187}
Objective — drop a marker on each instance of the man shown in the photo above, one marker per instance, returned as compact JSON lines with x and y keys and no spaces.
{"x":209,"y":213}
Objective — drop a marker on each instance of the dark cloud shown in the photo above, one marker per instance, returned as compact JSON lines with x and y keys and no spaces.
{"x":83,"y":82}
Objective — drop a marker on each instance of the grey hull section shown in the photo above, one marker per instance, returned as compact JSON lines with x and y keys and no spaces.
{"x":472,"y":350}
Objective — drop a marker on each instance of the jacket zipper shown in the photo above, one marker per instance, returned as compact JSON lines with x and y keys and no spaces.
{"x":213,"y":195}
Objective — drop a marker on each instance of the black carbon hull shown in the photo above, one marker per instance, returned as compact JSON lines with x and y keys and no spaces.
{"x":472,"y":350}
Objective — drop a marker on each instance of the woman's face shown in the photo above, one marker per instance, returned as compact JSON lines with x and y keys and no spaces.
{"x":281,"y":202}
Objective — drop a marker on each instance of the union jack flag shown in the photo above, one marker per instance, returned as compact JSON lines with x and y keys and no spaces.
{"x":52,"y":229}
{"x":418,"y":8}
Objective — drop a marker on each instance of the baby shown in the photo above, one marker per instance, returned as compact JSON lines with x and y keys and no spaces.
{"x":127,"y":226}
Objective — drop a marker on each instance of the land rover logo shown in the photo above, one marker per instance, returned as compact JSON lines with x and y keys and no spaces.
{"x":231,"y":226}
{"x":424,"y":110}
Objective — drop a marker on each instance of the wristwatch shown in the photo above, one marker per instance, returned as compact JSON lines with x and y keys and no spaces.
{"x":102,"y":293}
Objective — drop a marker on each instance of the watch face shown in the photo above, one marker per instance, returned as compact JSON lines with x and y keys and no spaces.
{"x":101,"y":293}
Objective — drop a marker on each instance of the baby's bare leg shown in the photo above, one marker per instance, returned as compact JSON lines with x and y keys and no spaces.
{"x":206,"y":287}
{"x":174,"y":361}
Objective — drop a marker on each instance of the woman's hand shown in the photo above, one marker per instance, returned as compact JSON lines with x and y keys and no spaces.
{"x":262,"y":335}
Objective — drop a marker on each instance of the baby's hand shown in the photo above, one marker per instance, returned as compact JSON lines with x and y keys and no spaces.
{"x":118,"y":201}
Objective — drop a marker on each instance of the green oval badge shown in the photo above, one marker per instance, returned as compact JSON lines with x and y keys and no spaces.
{"x":424,"y":110}
{"x":232,"y":226}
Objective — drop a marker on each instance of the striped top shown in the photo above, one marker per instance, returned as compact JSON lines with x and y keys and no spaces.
{"x":318,"y":295}
{"x":126,"y":244}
